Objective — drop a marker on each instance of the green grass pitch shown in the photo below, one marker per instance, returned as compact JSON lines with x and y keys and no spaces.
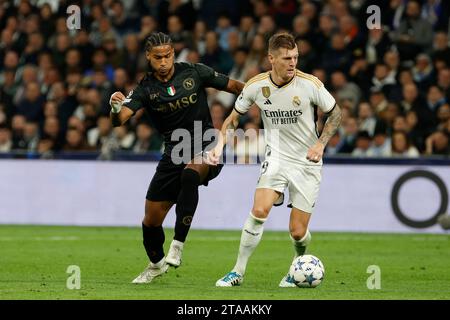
{"x":34,"y":260}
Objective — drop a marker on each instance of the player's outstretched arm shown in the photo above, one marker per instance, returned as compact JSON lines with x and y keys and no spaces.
{"x":229,"y":125}
{"x":119,"y":114}
{"x":234,"y":87}
{"x":315,"y":153}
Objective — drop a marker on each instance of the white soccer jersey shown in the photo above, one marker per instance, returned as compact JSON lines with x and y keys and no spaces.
{"x":289,"y":112}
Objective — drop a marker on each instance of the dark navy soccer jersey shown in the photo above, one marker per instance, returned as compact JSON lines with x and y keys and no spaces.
{"x":178,"y":103}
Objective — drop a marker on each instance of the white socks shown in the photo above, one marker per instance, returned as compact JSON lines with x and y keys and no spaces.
{"x":300,"y":245}
{"x":250,"y":237}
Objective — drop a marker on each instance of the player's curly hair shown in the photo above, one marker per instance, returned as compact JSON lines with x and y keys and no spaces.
{"x":157,"y":39}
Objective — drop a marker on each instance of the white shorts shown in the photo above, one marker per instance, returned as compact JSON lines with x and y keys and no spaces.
{"x":302,"y":181}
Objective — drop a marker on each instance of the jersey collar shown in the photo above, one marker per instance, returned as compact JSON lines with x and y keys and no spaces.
{"x":282,"y":85}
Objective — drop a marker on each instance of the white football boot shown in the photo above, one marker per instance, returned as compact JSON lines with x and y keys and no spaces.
{"x":174,"y":255}
{"x":287,"y":282}
{"x":231,"y":279}
{"x":152,"y":271}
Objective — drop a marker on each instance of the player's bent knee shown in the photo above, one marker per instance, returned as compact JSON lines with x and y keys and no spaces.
{"x":151,"y":222}
{"x":260,"y":213}
{"x":154,"y":218}
{"x":304,"y":238}
{"x":298,"y":233}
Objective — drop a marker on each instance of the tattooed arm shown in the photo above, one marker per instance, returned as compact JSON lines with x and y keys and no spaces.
{"x":315,"y":153}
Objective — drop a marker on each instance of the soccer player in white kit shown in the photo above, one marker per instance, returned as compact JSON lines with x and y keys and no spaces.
{"x":288,"y":101}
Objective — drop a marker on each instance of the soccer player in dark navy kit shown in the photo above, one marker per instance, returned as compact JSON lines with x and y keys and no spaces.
{"x":173,"y":94}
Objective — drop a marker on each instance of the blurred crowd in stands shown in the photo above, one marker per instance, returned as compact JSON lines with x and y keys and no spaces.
{"x":392,"y":82}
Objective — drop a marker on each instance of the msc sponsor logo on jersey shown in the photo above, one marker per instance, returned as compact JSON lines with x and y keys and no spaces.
{"x":183,"y":102}
{"x":188,"y":84}
{"x":283,"y":116}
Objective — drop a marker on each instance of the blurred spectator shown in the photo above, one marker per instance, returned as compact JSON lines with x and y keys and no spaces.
{"x":257,"y":52}
{"x":30,"y":136}
{"x":366,"y":118}
{"x":332,"y":147}
{"x":441,"y":49}
{"x":381,"y":144}
{"x":112,"y":51}
{"x":435,"y":99}
{"x":383,"y":80}
{"x":401,"y":146}
{"x":125,"y":137}
{"x":156,"y":8}
{"x":443,"y":82}
{"x":181,"y":38}
{"x":443,"y":117}
{"x":52,"y":131}
{"x":102,"y":135}
{"x":146,"y":139}
{"x":344,"y":89}
{"x":217,"y":114}
{"x":423,"y":71}
{"x":81,"y":42}
{"x":337,"y":56}
{"x":301,"y":29}
{"x":250,"y":147}
{"x":46,"y":147}
{"x":247,"y":30}
{"x":283,"y":12}
{"x":438,"y":143}
{"x":223,"y":29}
{"x":199,"y":37}
{"x":75,"y":141}
{"x":327,"y":27}
{"x":377,"y":45}
{"x":185,"y":10}
{"x":238,"y":72}
{"x":5,"y":139}
{"x":362,"y":144}
{"x":32,"y":105}
{"x":100,"y":62}
{"x":307,"y":56}
{"x":214,"y":56}
{"x":414,"y":34}
{"x":133,"y":58}
{"x":349,"y":135}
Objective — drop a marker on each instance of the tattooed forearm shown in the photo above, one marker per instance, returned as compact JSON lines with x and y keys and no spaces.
{"x":332,"y":124}
{"x":230,"y":124}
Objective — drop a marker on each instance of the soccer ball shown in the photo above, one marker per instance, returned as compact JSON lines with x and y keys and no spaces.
{"x":307,"y":271}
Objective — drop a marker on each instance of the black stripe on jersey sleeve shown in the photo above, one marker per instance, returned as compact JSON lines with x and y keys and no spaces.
{"x":238,"y":111}
{"x":331,"y":109}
